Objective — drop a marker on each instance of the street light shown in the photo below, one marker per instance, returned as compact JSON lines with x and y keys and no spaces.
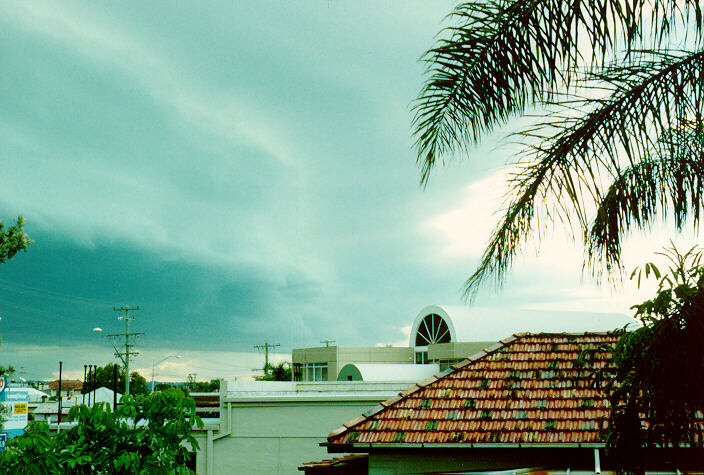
{"x":159,"y":362}
{"x":91,"y":375}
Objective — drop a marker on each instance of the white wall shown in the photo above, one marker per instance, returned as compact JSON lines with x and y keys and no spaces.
{"x":276,"y":433}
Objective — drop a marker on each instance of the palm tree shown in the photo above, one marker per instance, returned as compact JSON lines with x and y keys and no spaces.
{"x":616,"y":92}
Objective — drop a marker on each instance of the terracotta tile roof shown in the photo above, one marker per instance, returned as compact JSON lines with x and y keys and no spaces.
{"x":66,"y":384}
{"x":530,"y":388}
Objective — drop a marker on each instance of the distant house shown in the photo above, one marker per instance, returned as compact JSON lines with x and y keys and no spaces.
{"x":526,"y":403}
{"x":69,"y":387}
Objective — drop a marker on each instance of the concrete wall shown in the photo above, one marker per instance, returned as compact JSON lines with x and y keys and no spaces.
{"x":314,"y":355}
{"x":277,"y":439}
{"x":456,"y":350}
{"x":338,"y":356}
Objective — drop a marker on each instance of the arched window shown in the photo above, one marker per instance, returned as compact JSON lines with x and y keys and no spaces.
{"x":431,"y":330}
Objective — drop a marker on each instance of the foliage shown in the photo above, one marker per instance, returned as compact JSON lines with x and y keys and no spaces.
{"x":280,"y":372}
{"x":31,"y":453}
{"x":142,"y":436}
{"x":660,"y":367}
{"x":13,"y":240}
{"x":204,"y":386}
{"x":613,"y":95}
{"x":103,"y":377}
{"x":164,"y":386}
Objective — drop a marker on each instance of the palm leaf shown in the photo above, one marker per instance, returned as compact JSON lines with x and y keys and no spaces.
{"x":506,"y":55}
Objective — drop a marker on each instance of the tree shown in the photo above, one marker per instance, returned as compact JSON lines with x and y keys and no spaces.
{"x":103,"y":377}
{"x":280,"y":372}
{"x":204,"y":386}
{"x":146,"y":435}
{"x":618,"y":140}
{"x":660,"y":366}
{"x":13,"y":240}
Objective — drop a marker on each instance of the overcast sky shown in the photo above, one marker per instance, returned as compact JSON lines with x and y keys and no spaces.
{"x":242,"y":171}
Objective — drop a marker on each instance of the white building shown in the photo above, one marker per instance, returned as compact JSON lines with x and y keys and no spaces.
{"x":444,"y":335}
{"x":271,"y":427}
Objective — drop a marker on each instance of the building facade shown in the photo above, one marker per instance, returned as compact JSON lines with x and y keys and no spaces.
{"x":445,"y":335}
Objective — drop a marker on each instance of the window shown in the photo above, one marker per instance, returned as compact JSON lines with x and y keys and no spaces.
{"x":311,"y":372}
{"x":432,"y":329}
{"x":421,"y":357}
{"x":445,"y":364}
{"x":297,"y":372}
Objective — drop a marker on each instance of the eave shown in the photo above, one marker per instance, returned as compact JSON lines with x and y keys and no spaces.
{"x":366,"y":448}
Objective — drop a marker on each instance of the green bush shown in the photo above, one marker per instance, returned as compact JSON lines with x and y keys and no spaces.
{"x":145,"y":436}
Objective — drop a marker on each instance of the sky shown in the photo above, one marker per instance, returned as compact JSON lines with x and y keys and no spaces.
{"x":244,"y":173}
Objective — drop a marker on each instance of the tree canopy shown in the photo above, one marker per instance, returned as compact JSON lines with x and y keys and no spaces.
{"x":660,"y":366}
{"x":280,"y":372}
{"x":103,"y":377}
{"x":13,"y":239}
{"x":615,"y":96}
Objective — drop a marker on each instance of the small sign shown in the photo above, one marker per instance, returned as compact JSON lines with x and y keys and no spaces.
{"x":3,"y":384}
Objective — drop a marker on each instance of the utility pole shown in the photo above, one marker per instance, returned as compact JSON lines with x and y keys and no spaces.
{"x":327,"y":342}
{"x":266,"y":347}
{"x":61,"y":365}
{"x":114,"y":387}
{"x":90,"y":381}
{"x":125,"y":356}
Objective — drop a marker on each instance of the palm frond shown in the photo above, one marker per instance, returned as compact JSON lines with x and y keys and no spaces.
{"x":506,"y":55}
{"x":564,"y":173}
{"x":671,"y":182}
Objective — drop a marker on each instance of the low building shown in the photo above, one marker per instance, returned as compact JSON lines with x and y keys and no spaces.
{"x":269,"y":426}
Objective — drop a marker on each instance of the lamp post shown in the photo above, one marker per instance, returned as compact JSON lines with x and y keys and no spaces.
{"x":159,"y":362}
{"x":91,"y":383}
{"x":85,"y":383}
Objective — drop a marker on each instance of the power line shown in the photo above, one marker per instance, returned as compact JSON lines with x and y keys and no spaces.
{"x":266,"y":347}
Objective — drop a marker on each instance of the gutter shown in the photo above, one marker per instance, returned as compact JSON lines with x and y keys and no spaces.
{"x":366,"y":448}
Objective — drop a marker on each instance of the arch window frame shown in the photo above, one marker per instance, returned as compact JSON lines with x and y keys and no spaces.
{"x":432,"y":329}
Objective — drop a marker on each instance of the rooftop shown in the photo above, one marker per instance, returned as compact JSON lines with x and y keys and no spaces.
{"x":527,"y":389}
{"x":66,"y":384}
{"x":282,"y":390}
